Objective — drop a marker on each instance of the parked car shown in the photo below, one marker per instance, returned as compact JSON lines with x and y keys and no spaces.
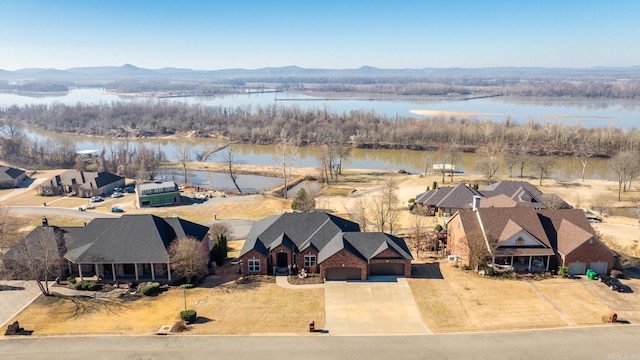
{"x":96,"y":198}
{"x":118,"y":189}
{"x":116,"y":209}
{"x":613,"y":283}
{"x":117,"y":194}
{"x":129,"y":189}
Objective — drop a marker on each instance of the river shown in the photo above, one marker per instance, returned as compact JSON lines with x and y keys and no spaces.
{"x":589,"y":113}
{"x":586,"y":112}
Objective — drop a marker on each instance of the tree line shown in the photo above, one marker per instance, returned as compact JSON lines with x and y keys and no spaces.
{"x":359,"y":128}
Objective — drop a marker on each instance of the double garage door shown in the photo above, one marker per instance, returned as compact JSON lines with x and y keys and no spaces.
{"x":349,"y":273}
{"x":580,"y":268}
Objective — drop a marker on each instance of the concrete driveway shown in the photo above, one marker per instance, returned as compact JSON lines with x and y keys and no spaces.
{"x":626,"y":305}
{"x":15,"y":296}
{"x":382,"y":305}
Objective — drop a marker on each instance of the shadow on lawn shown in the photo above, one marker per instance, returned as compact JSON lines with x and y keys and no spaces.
{"x":202,"y":320}
{"x":426,"y":271}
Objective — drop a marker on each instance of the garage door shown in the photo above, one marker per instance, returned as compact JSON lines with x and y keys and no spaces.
{"x":577,"y":268}
{"x":386,"y":269}
{"x":343,"y":273}
{"x":599,"y":267}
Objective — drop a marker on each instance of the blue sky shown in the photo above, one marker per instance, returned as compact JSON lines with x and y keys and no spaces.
{"x":319,"y":34}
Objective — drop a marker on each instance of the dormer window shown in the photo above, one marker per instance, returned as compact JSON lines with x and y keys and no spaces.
{"x":520,"y":241}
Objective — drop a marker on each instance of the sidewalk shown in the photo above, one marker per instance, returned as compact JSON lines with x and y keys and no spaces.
{"x":282,"y":281}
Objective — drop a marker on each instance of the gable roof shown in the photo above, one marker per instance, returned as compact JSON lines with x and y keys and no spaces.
{"x":459,"y":197}
{"x":9,"y":173}
{"x":560,"y":229}
{"x":43,"y":242}
{"x":327,"y":233}
{"x":85,"y":179}
{"x":520,"y":191}
{"x":130,"y":239}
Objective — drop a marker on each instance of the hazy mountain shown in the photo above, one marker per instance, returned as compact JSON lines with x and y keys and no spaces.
{"x":133,"y":73}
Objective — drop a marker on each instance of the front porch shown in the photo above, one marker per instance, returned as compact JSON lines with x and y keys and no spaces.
{"x":529,"y":263}
{"x":112,"y":272}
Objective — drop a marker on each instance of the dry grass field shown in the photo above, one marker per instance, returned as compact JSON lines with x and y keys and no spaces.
{"x":465,"y":301}
{"x":256,"y":307}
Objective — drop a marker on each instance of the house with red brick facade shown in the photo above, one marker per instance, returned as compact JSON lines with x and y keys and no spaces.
{"x":322,"y":243}
{"x":528,"y":239}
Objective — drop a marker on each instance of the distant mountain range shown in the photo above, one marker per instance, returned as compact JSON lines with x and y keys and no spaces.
{"x":131,"y":72}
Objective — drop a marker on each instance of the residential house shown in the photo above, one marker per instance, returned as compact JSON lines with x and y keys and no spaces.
{"x":528,"y":239}
{"x":128,"y":248}
{"x":157,"y":194}
{"x":81,"y":184}
{"x":445,"y":201}
{"x":322,"y":243}
{"x":11,"y":177}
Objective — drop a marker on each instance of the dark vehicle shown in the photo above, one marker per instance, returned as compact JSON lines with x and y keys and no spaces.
{"x":613,"y":283}
{"x":129,"y":189}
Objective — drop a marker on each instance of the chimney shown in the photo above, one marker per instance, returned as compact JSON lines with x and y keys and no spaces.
{"x":476,"y":202}
{"x":45,"y":222}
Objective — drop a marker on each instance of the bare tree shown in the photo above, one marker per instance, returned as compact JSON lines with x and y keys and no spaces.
{"x":188,"y":258}
{"x":418,"y":229}
{"x":600,"y":202}
{"x":37,"y":257}
{"x":384,"y":211}
{"x":625,"y":166}
{"x":148,"y":162}
{"x":183,"y":154}
{"x":286,"y":152}
{"x":541,"y":166}
{"x":585,"y":149}
{"x":359,"y":214}
{"x":489,"y":162}
{"x":477,"y":250}
{"x":228,"y":157}
{"x":219,"y":228}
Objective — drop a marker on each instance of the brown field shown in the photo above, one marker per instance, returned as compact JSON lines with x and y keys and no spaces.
{"x":465,"y":301}
{"x":256,"y":307}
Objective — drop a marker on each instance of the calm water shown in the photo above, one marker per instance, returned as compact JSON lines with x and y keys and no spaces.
{"x":221,"y":181}
{"x":587,"y":112}
{"x":621,"y":113}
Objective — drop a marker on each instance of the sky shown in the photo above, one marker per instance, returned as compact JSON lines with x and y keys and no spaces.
{"x":337,"y":34}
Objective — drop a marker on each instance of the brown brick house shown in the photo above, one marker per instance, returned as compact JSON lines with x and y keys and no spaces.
{"x":322,"y":243}
{"x":528,"y":239}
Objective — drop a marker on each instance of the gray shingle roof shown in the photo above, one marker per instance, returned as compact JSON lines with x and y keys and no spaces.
{"x":457,"y":197}
{"x":130,"y":239}
{"x":8,"y":173}
{"x":327,"y":233}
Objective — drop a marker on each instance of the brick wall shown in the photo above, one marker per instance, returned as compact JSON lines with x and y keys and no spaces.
{"x":254,"y":254}
{"x":457,"y":240}
{"x":344,"y":258}
{"x":594,"y":252}
{"x":300,"y":259}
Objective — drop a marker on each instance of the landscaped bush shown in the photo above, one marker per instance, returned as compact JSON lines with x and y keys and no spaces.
{"x":438,"y":228}
{"x":71,"y":280}
{"x":87,"y":285}
{"x":187,"y":286}
{"x":148,"y":288}
{"x":189,"y":315}
{"x":563,"y":271}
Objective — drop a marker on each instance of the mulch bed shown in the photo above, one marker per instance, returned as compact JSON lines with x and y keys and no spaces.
{"x":295,"y":280}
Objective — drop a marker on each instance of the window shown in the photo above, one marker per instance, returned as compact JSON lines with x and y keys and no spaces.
{"x":254,"y":265}
{"x":520,"y":241}
{"x":309,"y":260}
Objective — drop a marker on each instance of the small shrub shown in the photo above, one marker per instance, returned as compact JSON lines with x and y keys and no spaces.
{"x":438,"y":228}
{"x":78,"y":286}
{"x":189,"y":315}
{"x":187,"y":286}
{"x":93,"y":286}
{"x":412,"y":200}
{"x":148,"y":288}
{"x":71,"y":280}
{"x":563,"y":271}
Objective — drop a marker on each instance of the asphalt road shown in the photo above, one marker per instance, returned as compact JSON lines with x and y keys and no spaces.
{"x":603,"y":342}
